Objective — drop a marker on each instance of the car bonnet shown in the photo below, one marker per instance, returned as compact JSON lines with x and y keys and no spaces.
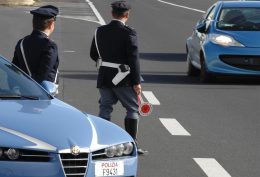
{"x":52,"y":125}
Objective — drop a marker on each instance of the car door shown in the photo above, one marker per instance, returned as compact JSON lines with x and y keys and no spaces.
{"x":198,"y":37}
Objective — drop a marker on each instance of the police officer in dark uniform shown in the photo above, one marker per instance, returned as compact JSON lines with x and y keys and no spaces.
{"x":119,"y":72}
{"x":36,"y":54}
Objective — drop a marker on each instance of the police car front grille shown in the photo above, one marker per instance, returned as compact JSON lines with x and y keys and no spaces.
{"x":250,"y":62}
{"x":74,"y":165}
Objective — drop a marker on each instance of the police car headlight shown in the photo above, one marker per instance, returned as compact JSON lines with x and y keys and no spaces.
{"x":128,"y":148}
{"x":225,"y":40}
{"x":111,"y":151}
{"x":119,"y":150}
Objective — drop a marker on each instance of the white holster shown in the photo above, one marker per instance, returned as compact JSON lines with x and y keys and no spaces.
{"x":98,"y":63}
{"x":123,"y":71}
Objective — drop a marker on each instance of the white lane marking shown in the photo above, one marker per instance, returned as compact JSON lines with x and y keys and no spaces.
{"x":100,"y":19}
{"x":151,"y":98}
{"x":185,"y":7}
{"x":211,"y":167}
{"x":174,"y":127}
{"x":38,"y":143}
{"x":78,"y":18}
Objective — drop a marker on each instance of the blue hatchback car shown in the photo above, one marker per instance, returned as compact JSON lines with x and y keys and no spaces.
{"x":43,"y":136}
{"x":226,"y":40}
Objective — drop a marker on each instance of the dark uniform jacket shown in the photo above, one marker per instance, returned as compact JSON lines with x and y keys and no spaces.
{"x":41,"y":55}
{"x":117,"y":43}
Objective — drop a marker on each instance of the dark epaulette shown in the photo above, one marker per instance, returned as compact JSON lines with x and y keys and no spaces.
{"x":130,"y":29}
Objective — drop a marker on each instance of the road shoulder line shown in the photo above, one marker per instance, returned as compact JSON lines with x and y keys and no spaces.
{"x":184,"y":7}
{"x":100,"y":19}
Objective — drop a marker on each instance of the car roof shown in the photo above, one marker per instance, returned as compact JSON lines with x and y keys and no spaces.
{"x":226,"y":4}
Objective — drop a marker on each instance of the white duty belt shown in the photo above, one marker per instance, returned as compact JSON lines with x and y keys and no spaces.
{"x":123,"y":71}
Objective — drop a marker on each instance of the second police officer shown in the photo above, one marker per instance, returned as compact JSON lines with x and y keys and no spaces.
{"x":36,"y":54}
{"x":119,"y":71}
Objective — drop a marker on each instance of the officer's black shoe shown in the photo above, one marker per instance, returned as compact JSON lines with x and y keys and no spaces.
{"x":142,"y":152}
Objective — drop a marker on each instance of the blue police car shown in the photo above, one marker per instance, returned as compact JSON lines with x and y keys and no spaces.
{"x":226,"y":40}
{"x":43,"y":136}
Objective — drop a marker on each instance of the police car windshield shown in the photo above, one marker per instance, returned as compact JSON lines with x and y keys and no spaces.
{"x":239,"y":19}
{"x":14,"y":84}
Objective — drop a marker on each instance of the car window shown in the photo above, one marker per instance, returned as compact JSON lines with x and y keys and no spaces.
{"x":14,"y":83}
{"x":3,"y":80}
{"x":211,"y":12}
{"x":244,"y":19}
{"x":209,"y":15}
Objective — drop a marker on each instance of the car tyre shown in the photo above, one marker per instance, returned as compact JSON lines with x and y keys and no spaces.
{"x":192,"y":71}
{"x":205,"y":76}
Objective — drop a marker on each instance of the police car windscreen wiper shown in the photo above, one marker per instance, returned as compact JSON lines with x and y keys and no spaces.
{"x":19,"y":97}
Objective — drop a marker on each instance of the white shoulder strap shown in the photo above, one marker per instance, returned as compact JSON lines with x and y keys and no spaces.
{"x":56,"y":76}
{"x":24,"y":58}
{"x":96,"y":43}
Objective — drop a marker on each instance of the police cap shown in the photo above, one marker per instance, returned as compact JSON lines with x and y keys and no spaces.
{"x":120,"y":6}
{"x":48,"y":11}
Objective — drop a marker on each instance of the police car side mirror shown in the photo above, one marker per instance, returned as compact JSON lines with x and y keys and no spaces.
{"x":50,"y":87}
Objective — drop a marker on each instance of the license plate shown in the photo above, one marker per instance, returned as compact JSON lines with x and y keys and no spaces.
{"x":109,"y":168}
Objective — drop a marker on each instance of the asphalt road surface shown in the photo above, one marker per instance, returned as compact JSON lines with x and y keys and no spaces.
{"x":195,"y":130}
